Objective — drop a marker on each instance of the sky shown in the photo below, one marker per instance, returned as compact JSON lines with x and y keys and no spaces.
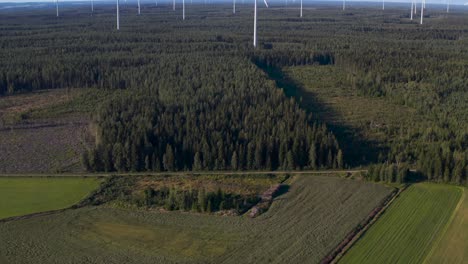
{"x":400,"y":1}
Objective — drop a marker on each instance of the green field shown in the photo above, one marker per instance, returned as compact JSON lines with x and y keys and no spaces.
{"x":453,"y":245}
{"x":302,"y":225}
{"x":21,"y":196}
{"x":408,"y":230}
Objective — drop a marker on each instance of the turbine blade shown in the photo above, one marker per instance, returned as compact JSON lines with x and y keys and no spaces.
{"x":266,"y":3}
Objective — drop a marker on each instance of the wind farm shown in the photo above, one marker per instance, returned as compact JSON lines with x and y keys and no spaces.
{"x":233,"y":132}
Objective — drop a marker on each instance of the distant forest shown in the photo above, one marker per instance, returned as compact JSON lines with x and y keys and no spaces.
{"x":196,"y":95}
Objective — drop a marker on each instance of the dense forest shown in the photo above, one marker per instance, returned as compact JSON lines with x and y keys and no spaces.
{"x":195,"y":95}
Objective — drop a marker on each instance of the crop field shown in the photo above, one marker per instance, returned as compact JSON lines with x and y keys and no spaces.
{"x":408,"y":230}
{"x":302,"y":225}
{"x":453,"y":245}
{"x":21,"y":196}
{"x":45,"y":131}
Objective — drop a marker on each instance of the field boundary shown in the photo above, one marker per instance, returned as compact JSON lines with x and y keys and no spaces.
{"x":361,"y":228}
{"x":447,"y":225}
{"x":81,"y":203}
{"x":181,"y":173}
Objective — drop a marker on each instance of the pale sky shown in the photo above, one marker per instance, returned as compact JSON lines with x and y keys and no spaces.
{"x":398,"y":1}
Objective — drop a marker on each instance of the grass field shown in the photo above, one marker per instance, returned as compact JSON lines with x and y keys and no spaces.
{"x":453,"y":245}
{"x":20,"y":196}
{"x":408,"y":230}
{"x":301,"y":226}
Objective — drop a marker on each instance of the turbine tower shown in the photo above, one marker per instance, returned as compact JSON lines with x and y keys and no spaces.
{"x":139,"y":10}
{"x":56,"y":7}
{"x":422,"y":11}
{"x":255,"y":22}
{"x":118,"y":16}
{"x":448,"y":6}
{"x":344,"y":4}
{"x":412,"y":7}
{"x":233,"y":6}
{"x":92,"y":6}
{"x":383,"y":4}
{"x":183,"y":9}
{"x":301,"y":9}
{"x":173,"y":5}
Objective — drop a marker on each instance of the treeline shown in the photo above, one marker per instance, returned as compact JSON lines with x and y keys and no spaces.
{"x":390,"y":173}
{"x":231,"y":119}
{"x":193,"y":200}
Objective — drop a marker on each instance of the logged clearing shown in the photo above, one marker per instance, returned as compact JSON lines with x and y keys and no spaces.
{"x":453,"y":246}
{"x":302,"y":226}
{"x":21,"y":196}
{"x":409,"y":229}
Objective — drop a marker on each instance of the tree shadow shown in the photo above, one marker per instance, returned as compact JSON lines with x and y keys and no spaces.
{"x":357,"y":150}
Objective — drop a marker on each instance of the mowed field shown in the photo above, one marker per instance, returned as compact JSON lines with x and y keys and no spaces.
{"x":302,"y":226}
{"x":21,"y":196}
{"x":453,"y":245}
{"x":409,"y":230}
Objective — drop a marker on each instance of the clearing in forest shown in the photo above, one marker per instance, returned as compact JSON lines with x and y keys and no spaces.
{"x":410,"y":227}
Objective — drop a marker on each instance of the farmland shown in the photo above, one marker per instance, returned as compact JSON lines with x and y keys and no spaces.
{"x":452,"y":247}
{"x":408,"y":230}
{"x":21,"y":196}
{"x":325,"y":209}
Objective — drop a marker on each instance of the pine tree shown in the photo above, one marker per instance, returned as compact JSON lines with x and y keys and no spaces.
{"x":234,"y":163}
{"x":312,"y":157}
{"x":339,"y":159}
{"x":197,"y":163}
{"x":168,"y":158}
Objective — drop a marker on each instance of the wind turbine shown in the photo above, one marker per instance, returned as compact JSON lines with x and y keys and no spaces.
{"x":118,"y":16}
{"x":56,"y":7}
{"x":255,"y":22}
{"x":383,"y":4}
{"x":344,"y":4}
{"x":183,"y":9}
{"x":139,"y":7}
{"x":233,"y":6}
{"x":448,"y":5}
{"x":422,"y":11}
{"x":173,"y":5}
{"x":412,"y":7}
{"x":301,"y":9}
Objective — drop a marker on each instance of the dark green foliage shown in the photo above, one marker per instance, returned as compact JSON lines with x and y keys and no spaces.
{"x":391,"y":173}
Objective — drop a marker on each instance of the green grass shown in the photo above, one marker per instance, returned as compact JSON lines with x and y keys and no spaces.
{"x":302,"y":226}
{"x":453,"y":245}
{"x":406,"y":232}
{"x":21,"y":196}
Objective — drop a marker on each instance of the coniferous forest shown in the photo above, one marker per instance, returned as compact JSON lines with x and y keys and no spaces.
{"x":195,"y":95}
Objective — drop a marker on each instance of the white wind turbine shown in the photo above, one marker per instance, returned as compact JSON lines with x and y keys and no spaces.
{"x":173,"y":5}
{"x":422,"y":11}
{"x":233,"y":6}
{"x":183,"y":9}
{"x":301,"y":10}
{"x":139,"y":10}
{"x":255,"y":22}
{"x":118,"y":16}
{"x":412,"y":7}
{"x":448,"y":6}
{"x":383,"y":4}
{"x":56,"y":7}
